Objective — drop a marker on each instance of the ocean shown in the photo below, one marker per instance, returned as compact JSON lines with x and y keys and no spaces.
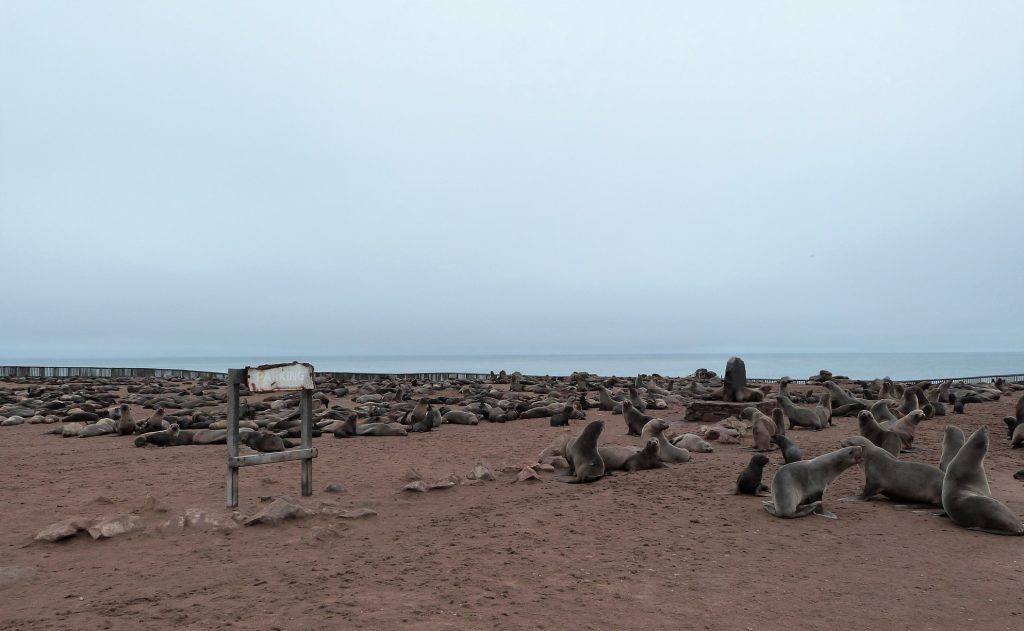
{"x":903,"y":366}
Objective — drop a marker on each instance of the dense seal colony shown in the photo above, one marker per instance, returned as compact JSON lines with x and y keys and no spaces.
{"x":726,"y":410}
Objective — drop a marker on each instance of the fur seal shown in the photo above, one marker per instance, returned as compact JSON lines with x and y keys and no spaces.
{"x":156,"y":422}
{"x":870,"y":429}
{"x":693,"y":443}
{"x":749,"y":482}
{"x":801,"y":417}
{"x":905,"y":427}
{"x":779,"y":418}
{"x":798,"y":487}
{"x":426,"y":422}
{"x":605,"y":400}
{"x":952,"y":441}
{"x":882,"y":412}
{"x":647,"y":458}
{"x":1011,"y":424}
{"x":263,"y":441}
{"x":885,"y":474}
{"x":170,"y":437}
{"x":655,"y":428}
{"x":461,"y":417}
{"x":790,"y":452}
{"x":843,"y":404}
{"x":635,"y":399}
{"x":561,"y":418}
{"x":375,"y":428}
{"x":966,"y":497}
{"x":125,"y":422}
{"x":584,"y":459}
{"x":635,"y":419}
{"x":762,"y":431}
{"x":614,"y":456}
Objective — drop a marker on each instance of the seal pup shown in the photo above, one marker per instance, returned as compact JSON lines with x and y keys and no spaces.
{"x":790,"y":452}
{"x":798,"y":487}
{"x":346,"y":428}
{"x":561,"y":418}
{"x":125,"y":422}
{"x":1017,"y":438}
{"x":749,"y":482}
{"x":585,"y":463}
{"x":635,"y":419}
{"x":647,"y":458}
{"x":614,"y":456}
{"x":693,"y":443}
{"x":263,"y":441}
{"x":966,"y":497}
{"x":910,"y":482}
{"x":952,"y":441}
{"x":655,"y":428}
{"x":870,"y":429}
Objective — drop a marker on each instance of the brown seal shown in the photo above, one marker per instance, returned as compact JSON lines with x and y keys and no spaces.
{"x":798,"y":487}
{"x":966,"y":497}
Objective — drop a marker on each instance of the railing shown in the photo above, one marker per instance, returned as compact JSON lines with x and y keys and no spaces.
{"x":174,"y":373}
{"x":89,"y":371}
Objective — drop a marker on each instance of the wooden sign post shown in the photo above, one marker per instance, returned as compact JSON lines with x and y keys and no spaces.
{"x":271,"y":378}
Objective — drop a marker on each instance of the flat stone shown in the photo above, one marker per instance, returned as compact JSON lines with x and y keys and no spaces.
{"x":277,"y":511}
{"x":358,"y":513}
{"x":113,"y":526}
{"x":63,"y":529}
{"x":715,"y":411}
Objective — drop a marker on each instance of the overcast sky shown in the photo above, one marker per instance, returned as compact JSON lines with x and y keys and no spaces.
{"x":186,"y":178}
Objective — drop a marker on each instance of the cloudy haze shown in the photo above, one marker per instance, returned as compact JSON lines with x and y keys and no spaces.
{"x":463,"y":177}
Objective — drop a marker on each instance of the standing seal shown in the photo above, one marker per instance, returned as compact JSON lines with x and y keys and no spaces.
{"x":885,"y":474}
{"x":790,"y":452}
{"x":584,"y":460}
{"x":952,"y":441}
{"x":870,"y":429}
{"x":749,"y":482}
{"x":635,"y":419}
{"x":905,"y":427}
{"x":801,"y":417}
{"x":798,"y":487}
{"x":125,"y":422}
{"x":966,"y":497}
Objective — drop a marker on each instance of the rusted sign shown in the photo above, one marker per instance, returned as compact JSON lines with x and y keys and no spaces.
{"x":274,"y":377}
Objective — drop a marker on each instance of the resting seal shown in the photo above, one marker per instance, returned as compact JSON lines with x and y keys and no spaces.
{"x":655,"y":428}
{"x":801,"y":417}
{"x":647,"y":458}
{"x":885,"y":474}
{"x":749,"y":482}
{"x":798,"y":487}
{"x":614,"y":456}
{"x":584,"y":460}
{"x":965,"y":494}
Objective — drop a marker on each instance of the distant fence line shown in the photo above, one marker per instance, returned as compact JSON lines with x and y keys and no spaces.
{"x":58,"y":372}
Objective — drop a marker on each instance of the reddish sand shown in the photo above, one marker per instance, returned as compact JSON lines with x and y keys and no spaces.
{"x":653,"y":550}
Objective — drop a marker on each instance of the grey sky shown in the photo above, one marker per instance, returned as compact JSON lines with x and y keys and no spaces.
{"x":433,"y":177}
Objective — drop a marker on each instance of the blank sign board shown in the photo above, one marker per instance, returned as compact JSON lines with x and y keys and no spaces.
{"x":274,"y":377}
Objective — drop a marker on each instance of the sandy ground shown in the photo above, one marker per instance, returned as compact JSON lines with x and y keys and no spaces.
{"x":654,"y":550}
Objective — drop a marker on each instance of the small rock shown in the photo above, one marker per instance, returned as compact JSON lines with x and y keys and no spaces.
{"x":101,"y":499}
{"x":480,"y":472}
{"x":358,"y":513}
{"x":153,"y":505}
{"x":14,"y":420}
{"x":412,"y":475}
{"x":277,"y":511}
{"x":199,"y":518}
{"x":442,"y":484}
{"x":526,"y":473}
{"x":63,"y":529}
{"x":334,"y":488}
{"x":544,"y":467}
{"x":418,"y":485}
{"x":113,"y":526}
